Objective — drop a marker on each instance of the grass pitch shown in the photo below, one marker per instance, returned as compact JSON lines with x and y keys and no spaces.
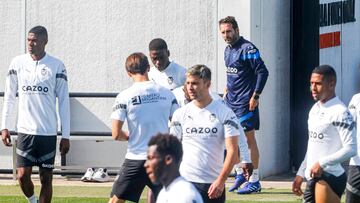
{"x":94,"y":194}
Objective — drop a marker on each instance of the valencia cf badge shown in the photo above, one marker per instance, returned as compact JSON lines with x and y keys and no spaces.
{"x":170,"y":80}
{"x":43,"y":72}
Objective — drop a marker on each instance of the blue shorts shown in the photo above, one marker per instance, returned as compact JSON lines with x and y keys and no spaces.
{"x":250,"y":120}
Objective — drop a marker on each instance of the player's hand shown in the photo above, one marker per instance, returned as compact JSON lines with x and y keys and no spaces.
{"x":253,"y":103}
{"x":64,"y":146}
{"x":296,"y":186}
{"x":248,"y":169}
{"x":5,"y":136}
{"x":225,"y":92}
{"x":124,"y":136}
{"x":216,"y":189}
{"x":316,"y":170}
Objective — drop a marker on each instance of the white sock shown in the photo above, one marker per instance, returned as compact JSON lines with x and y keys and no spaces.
{"x":32,"y":199}
{"x":255,"y":176}
{"x":238,"y":169}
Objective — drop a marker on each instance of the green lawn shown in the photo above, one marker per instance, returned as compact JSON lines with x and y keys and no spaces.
{"x":16,"y":199}
{"x":94,"y":194}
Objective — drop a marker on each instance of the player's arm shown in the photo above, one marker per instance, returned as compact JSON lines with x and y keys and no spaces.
{"x":175,"y":125}
{"x":254,"y":101}
{"x":118,"y":117}
{"x":217,"y":187}
{"x":243,"y":148}
{"x":344,"y":125}
{"x":117,"y":132}
{"x":296,"y":186}
{"x":261,"y":72}
{"x":246,"y":163}
{"x":62,"y":93}
{"x":225,"y":92}
{"x":11,"y":86}
{"x":174,"y":106}
{"x":353,"y":105}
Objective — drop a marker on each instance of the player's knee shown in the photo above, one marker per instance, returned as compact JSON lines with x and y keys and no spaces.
{"x":23,"y":176}
{"x":251,"y":141}
{"x":45,"y":178}
{"x":115,"y":199}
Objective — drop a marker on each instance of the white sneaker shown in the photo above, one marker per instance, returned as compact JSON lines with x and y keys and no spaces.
{"x":88,"y":175}
{"x":101,"y":175}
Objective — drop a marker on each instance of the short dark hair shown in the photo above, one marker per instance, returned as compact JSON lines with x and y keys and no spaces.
{"x":229,"y":19}
{"x":157,"y":44}
{"x":327,"y":71}
{"x":167,"y":144}
{"x":39,"y":31}
{"x":201,"y":71}
{"x":137,"y":63}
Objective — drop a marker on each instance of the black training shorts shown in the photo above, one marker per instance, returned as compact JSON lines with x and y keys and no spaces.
{"x":131,"y":181}
{"x":337,"y":184}
{"x":203,"y":189}
{"x":353,"y":185}
{"x":35,"y":150}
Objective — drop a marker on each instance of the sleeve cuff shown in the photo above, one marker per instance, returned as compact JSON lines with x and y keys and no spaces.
{"x":67,"y":136}
{"x":322,"y":163}
{"x":301,"y":173}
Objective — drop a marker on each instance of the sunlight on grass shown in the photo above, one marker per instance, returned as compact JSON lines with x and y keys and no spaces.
{"x":62,"y":194}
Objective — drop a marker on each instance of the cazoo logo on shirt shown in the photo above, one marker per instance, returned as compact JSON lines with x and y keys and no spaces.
{"x":34,"y":89}
{"x":315,"y":135}
{"x":200,"y":130}
{"x":231,"y":70}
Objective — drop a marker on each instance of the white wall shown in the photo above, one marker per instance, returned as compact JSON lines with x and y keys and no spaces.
{"x":344,"y":58}
{"x":10,"y":44}
{"x":274,"y":32}
{"x":93,"y":38}
{"x":267,"y":25}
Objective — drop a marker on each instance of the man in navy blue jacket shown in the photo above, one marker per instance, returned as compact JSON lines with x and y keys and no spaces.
{"x":246,"y":78}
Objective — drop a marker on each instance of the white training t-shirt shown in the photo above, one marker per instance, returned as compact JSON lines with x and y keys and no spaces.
{"x":243,"y":146}
{"x":179,"y":191}
{"x":38,"y":83}
{"x":203,"y":133}
{"x":331,"y":138}
{"x":172,"y":77}
{"x":147,"y":108}
{"x":354,"y":108}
